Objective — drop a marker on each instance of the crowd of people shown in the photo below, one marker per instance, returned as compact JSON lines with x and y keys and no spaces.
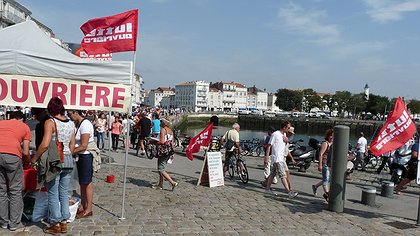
{"x":72,"y":133}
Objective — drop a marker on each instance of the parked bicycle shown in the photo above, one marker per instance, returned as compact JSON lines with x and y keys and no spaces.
{"x":252,"y":147}
{"x":237,"y":164}
{"x":183,"y":142}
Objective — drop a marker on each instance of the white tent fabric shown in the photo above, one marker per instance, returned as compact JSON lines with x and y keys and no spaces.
{"x":26,"y":50}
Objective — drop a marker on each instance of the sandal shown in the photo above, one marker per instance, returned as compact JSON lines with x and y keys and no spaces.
{"x":174,"y":185}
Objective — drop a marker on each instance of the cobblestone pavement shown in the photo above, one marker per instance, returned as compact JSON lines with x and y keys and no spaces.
{"x":234,"y":209}
{"x":368,"y":177}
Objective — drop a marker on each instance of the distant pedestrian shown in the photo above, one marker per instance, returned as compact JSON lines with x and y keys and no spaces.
{"x":361,"y":152}
{"x":15,"y":137}
{"x":116,"y":129}
{"x":267,"y":168}
{"x":323,"y":165}
{"x":41,"y":115}
{"x":277,"y":144}
{"x":144,"y":127}
{"x":100,"y":126}
{"x":155,"y":125}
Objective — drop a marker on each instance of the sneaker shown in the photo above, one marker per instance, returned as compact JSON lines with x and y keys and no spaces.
{"x":270,"y":192}
{"x":314,"y":190}
{"x":292,"y":194}
{"x":326,"y":196}
{"x":157,"y":187}
{"x":4,"y":226}
{"x":275,"y":181}
{"x":174,"y":185}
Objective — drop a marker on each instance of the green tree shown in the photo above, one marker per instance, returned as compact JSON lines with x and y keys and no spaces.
{"x":329,"y":102}
{"x":377,"y":104}
{"x":312,"y":99}
{"x":342,"y":99}
{"x":414,"y":106}
{"x":357,"y":103}
{"x":288,"y":100}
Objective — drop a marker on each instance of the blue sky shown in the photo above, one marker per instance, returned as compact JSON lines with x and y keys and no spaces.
{"x":327,"y":45}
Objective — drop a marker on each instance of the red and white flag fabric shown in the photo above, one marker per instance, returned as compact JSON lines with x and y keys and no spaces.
{"x":397,"y":130}
{"x":201,"y":139}
{"x":117,"y":33}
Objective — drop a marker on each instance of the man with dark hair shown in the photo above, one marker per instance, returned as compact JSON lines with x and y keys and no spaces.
{"x":15,"y":137}
{"x":361,"y":152}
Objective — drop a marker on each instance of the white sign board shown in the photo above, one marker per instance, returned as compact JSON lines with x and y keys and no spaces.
{"x":215,"y":167}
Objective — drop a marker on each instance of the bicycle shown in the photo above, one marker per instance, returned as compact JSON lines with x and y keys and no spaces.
{"x":237,"y":164}
{"x":149,"y":148}
{"x":252,"y":147}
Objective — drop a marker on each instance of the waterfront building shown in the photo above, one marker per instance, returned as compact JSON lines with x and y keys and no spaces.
{"x":257,"y":99}
{"x":137,"y":90}
{"x":241,"y":93}
{"x":228,"y":90}
{"x":192,"y":95}
{"x":12,"y":12}
{"x":155,"y":96}
{"x":215,"y":99}
{"x":168,"y":102}
{"x":271,"y":100}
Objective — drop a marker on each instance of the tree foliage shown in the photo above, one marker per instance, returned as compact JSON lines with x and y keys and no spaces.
{"x":414,"y":106}
{"x":311,"y":100}
{"x":377,"y":104}
{"x":342,"y":99}
{"x":288,"y":100}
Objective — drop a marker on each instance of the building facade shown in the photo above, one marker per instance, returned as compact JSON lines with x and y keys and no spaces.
{"x":155,"y":96}
{"x":192,"y":95}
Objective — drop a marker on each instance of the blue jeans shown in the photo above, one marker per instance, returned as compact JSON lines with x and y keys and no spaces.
{"x":58,"y":197}
{"x":100,"y":140}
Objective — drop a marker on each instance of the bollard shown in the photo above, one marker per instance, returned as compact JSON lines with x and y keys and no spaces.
{"x":339,"y":168}
{"x":387,"y":189}
{"x":369,"y":196}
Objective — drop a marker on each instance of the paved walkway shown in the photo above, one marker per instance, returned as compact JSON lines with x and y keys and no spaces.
{"x":233,"y":209}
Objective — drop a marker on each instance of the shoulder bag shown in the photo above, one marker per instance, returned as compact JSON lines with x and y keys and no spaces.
{"x":166,"y":149}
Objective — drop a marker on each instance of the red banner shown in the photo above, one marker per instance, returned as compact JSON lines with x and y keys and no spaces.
{"x":201,"y":139}
{"x":117,"y":33}
{"x":397,"y":130}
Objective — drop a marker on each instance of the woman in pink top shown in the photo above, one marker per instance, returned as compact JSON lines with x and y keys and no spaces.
{"x":116,"y":128}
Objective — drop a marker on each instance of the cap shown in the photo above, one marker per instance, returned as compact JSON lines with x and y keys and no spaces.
{"x":165,"y":121}
{"x":292,"y":130}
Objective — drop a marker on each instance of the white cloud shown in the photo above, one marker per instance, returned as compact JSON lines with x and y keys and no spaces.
{"x":386,"y":10}
{"x":309,"y":23}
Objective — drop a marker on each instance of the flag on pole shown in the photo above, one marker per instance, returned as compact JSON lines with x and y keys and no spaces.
{"x":201,"y":139}
{"x":397,"y":130}
{"x":117,"y":33}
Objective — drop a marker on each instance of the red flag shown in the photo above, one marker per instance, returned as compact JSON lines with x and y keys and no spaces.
{"x":397,"y":130}
{"x":201,"y":139}
{"x":117,"y":33}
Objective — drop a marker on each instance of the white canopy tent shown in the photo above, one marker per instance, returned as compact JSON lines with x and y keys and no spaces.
{"x":26,"y":50}
{"x":33,"y":68}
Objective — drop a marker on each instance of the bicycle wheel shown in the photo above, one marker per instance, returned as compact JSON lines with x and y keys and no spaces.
{"x":231,"y":168}
{"x":243,"y":175}
{"x":258,"y":151}
{"x":149,"y":149}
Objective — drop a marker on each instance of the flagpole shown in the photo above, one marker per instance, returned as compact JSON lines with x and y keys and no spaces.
{"x":127,"y":139}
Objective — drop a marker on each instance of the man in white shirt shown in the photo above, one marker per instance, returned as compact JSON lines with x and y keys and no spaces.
{"x":361,"y":151}
{"x":277,"y":145}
